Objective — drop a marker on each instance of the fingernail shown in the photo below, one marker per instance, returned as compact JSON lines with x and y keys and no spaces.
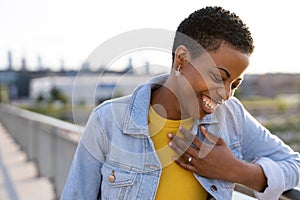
{"x":170,"y":144}
{"x":170,"y":135}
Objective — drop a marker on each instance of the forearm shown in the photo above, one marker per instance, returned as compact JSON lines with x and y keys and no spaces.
{"x":250,"y":175}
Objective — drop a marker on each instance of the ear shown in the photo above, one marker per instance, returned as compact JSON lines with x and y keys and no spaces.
{"x":182,"y":55}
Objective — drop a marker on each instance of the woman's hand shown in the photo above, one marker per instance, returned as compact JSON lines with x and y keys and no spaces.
{"x":214,"y":159}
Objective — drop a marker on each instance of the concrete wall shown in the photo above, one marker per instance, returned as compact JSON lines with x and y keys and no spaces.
{"x":49,"y":142}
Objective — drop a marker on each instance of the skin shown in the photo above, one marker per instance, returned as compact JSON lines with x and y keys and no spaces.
{"x":214,"y":75}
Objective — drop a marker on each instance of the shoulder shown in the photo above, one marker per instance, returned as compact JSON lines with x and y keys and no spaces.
{"x":232,"y":110}
{"x":233,"y":101}
{"x":110,"y":102}
{"x":113,"y":106}
{"x":234,"y":104}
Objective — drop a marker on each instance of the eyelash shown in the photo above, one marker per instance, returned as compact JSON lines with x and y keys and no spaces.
{"x":216,"y":78}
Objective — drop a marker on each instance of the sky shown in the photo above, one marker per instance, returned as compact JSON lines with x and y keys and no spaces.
{"x":70,"y":30}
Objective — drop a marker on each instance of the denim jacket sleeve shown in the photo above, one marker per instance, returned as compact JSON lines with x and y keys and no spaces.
{"x":84,"y":180}
{"x":279,"y":162}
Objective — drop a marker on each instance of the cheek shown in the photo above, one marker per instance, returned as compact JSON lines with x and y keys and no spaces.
{"x":199,"y":79}
{"x":200,"y":82}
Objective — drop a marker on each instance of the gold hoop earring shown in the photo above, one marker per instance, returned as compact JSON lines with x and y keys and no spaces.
{"x":177,"y":72}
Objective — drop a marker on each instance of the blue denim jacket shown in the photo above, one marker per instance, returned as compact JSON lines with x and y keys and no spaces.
{"x":116,"y":158}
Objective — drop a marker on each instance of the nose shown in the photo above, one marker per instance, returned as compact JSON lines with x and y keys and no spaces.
{"x":225,"y":92}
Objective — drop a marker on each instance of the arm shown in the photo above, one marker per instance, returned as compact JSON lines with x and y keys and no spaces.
{"x":84,"y":180}
{"x":237,"y":171}
{"x":279,"y":162}
{"x":272,"y":166}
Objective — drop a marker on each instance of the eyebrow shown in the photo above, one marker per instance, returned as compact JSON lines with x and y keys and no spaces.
{"x":227,"y":73}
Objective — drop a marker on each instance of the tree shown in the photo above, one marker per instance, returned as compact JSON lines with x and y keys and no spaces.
{"x":40,"y":99}
{"x":57,"y":95}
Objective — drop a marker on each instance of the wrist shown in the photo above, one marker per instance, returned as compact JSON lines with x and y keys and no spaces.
{"x":250,"y":175}
{"x":238,"y":172}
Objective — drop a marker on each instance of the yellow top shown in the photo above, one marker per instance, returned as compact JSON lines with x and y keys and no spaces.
{"x":175,"y":182}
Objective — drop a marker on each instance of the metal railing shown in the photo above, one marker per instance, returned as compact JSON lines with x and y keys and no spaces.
{"x":293,"y":194}
{"x":51,"y":144}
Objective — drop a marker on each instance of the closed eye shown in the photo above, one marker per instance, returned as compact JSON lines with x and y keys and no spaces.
{"x":216,"y":78}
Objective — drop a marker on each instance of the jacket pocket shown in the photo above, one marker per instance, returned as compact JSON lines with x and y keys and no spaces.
{"x":116,"y":184}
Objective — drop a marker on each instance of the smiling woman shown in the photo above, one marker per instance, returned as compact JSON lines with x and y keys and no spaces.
{"x":183,"y":135}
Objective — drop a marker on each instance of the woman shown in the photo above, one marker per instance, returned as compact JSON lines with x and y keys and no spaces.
{"x":184,"y":135}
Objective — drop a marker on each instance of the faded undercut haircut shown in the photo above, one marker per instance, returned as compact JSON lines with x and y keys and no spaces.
{"x":207,"y":28}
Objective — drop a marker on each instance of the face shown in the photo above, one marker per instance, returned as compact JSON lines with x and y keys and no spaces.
{"x":210,"y":79}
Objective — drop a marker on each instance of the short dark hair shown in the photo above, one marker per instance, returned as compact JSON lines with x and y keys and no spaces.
{"x":210,"y":27}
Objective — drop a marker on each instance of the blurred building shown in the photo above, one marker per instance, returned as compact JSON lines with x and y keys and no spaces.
{"x":90,"y":89}
{"x":270,"y":85}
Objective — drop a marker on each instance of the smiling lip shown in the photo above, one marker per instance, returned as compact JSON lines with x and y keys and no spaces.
{"x":208,"y":104}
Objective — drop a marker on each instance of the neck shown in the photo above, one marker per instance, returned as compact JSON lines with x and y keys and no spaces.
{"x":165,"y":102}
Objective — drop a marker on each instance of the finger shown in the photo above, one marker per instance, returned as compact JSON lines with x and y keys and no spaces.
{"x":205,"y":150}
{"x":193,"y":139}
{"x":185,"y":165}
{"x":210,"y":137}
{"x":176,"y":148}
{"x":189,"y":159}
{"x":184,"y":149}
{"x":179,"y":145}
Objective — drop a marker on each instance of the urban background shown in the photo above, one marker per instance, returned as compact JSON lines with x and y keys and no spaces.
{"x":274,"y":99}
{"x":45,"y":99}
{"x":70,"y":95}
